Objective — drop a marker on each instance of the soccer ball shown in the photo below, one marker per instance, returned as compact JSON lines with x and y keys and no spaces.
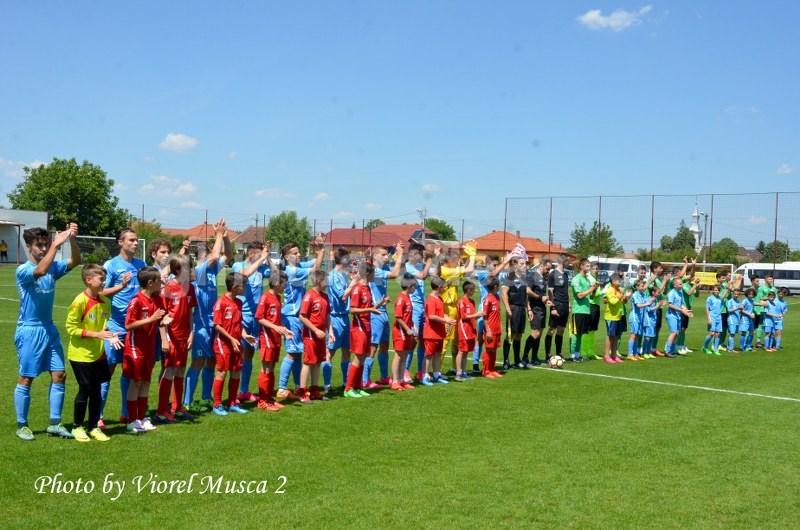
{"x":555,"y":362}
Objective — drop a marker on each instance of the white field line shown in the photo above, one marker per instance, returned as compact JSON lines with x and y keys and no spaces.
{"x":16,"y":301}
{"x":677,"y":385}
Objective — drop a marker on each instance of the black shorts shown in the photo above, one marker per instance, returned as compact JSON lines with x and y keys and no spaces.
{"x":684,"y":322}
{"x":758,"y":320}
{"x":537,"y":322}
{"x":594,"y":317}
{"x":561,"y":320}
{"x":583,"y":323}
{"x":622,"y":327}
{"x":91,"y":374}
{"x":724,"y":322}
{"x":518,"y":320}
{"x":659,"y":318}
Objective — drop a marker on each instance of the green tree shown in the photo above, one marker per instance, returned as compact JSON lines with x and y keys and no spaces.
{"x":795,"y":255}
{"x":286,"y":227}
{"x":72,"y":193}
{"x":724,"y":251}
{"x":775,"y":252}
{"x":682,"y":241}
{"x":598,"y":241}
{"x":442,"y":229}
{"x":761,"y":247}
{"x":374,"y":223}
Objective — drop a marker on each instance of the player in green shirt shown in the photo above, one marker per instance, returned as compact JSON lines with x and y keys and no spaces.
{"x":587,"y":346}
{"x":762,"y":290}
{"x":582,"y":290}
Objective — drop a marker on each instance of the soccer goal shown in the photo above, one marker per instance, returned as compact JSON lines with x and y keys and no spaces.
{"x":98,"y":249}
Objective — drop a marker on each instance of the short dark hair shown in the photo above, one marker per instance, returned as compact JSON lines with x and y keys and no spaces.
{"x":254,"y":245}
{"x":92,"y":269}
{"x":492,"y":257}
{"x":417,"y":247}
{"x":31,"y":235}
{"x":158,"y":243}
{"x":750,"y":292}
{"x":318,"y":276}
{"x":147,"y":275}
{"x":492,"y":284}
{"x":408,"y":281}
{"x":341,"y":255}
{"x":582,"y":261}
{"x":468,"y":284}
{"x":654,"y":264}
{"x":178,"y":263}
{"x":277,"y":277}
{"x":233,"y":279}
{"x":126,"y":230}
{"x":287,"y":247}
{"x":437,"y":282}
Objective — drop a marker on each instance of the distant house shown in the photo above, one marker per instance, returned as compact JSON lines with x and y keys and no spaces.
{"x":746,"y":255}
{"x":201,"y":232}
{"x":499,"y":242}
{"x":356,"y":240}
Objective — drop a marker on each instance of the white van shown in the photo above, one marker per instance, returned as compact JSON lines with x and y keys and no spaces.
{"x":786,"y":274}
{"x":608,"y":266}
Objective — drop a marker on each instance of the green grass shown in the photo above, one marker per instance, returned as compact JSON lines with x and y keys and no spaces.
{"x":540,"y":447}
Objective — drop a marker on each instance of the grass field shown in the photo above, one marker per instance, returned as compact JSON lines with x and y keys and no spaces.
{"x":536,"y":448}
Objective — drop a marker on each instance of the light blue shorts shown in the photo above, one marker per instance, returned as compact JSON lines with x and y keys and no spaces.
{"x":38,"y":349}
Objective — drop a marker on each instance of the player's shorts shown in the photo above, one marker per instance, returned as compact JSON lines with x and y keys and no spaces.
{"x":715,"y":326}
{"x":537,"y":322}
{"x":635,"y":325}
{"x":138,"y":367}
{"x":114,"y":356}
{"x":178,"y":351}
{"x":733,"y":325}
{"x":594,"y":317}
{"x":466,"y":345}
{"x":313,"y":350}
{"x":269,"y":344}
{"x":359,"y":338}
{"x":228,"y":360}
{"x":745,"y":325}
{"x":759,"y":318}
{"x":650,"y":331}
{"x":38,"y":349}
{"x":402,"y":341}
{"x":659,"y":318}
{"x":612,"y":328}
{"x":518,"y":319}
{"x":684,"y":322}
{"x":779,"y":324}
{"x":341,"y":333}
{"x":674,"y":323}
{"x":623,"y":324}
{"x":582,"y":323}
{"x":493,"y":342}
{"x":379,"y":325}
{"x":293,"y":324}
{"x":561,"y":320}
{"x":252,"y":327}
{"x":201,"y":345}
{"x":724,"y":323}
{"x":91,"y":373}
{"x":433,"y":346}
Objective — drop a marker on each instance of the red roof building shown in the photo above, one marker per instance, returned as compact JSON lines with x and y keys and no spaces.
{"x":201,"y":232}
{"x":499,"y":242}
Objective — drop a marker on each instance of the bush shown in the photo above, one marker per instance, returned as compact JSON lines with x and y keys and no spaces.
{"x":99,"y":255}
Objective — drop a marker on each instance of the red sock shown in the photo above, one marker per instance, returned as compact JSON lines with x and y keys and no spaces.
{"x":352,"y":372}
{"x":164,"y":388}
{"x":263,"y":386}
{"x":233,"y":391}
{"x":492,"y":361}
{"x":177,"y":399}
{"x":217,"y":389}
{"x":142,"y":407}
{"x":133,"y":410}
{"x":359,"y":377}
{"x":271,"y":387}
{"x":486,"y":369}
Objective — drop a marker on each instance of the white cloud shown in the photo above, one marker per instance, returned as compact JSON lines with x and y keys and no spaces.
{"x":372,"y":206}
{"x":13,"y":168}
{"x":119,"y":187}
{"x":147,"y":188}
{"x":192,"y":204}
{"x":341,"y":214}
{"x":756,"y":220}
{"x":321,"y":196}
{"x":232,"y":155}
{"x":430,"y":188}
{"x":785,"y":169}
{"x":616,"y":21}
{"x":274,"y":193}
{"x":178,"y":142}
{"x":168,"y":186}
{"x":184,"y":188}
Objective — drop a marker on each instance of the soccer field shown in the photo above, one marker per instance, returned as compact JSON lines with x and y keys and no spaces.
{"x":539,"y":447}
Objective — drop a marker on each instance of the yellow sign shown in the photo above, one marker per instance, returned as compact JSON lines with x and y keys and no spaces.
{"x":707,"y":278}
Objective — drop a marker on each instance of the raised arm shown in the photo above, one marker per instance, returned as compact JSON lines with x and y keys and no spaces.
{"x":398,"y":263}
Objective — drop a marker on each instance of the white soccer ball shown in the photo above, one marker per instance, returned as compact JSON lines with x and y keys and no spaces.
{"x":555,"y":362}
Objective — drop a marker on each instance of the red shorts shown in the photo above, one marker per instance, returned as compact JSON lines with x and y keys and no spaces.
{"x":178,"y":350}
{"x":139,"y":368}
{"x":359,"y":340}
{"x":402,"y":341}
{"x":228,"y":360}
{"x":433,"y":346}
{"x":271,"y":353}
{"x":313,"y":350}
{"x":493,"y":342}
{"x":466,"y":345}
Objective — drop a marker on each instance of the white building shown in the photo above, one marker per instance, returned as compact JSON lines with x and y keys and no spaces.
{"x":694,"y":228}
{"x":12,"y":224}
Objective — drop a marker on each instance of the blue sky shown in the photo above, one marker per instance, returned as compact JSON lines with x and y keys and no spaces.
{"x":351,"y":110}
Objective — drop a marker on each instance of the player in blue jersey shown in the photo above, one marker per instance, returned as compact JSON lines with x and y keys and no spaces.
{"x":777,"y":309}
{"x":297,"y":274}
{"x":36,"y":338}
{"x":714,"y":320}
{"x":340,"y":282}
{"x":493,"y":268}
{"x":640,"y":302}
{"x":418,"y":266}
{"x":379,"y":322}
{"x":676,"y":310}
{"x":747,"y":319}
{"x":255,"y":268}
{"x":121,"y":286}
{"x":209,"y":265}
{"x":734,"y":307}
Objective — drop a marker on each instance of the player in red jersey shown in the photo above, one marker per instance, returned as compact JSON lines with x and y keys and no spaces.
{"x":268,"y":315}
{"x":315,"y":312}
{"x":403,"y":334}
{"x":144,"y":320}
{"x":227,"y":344}
{"x":361,"y":307}
{"x":492,"y":330}
{"x":466,"y":332}
{"x":179,"y":299}
{"x":435,"y":332}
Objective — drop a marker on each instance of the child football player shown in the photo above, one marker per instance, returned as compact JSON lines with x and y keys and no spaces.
{"x":714,"y":319}
{"x":417,"y":270}
{"x":492,"y":329}
{"x":453,"y":274}
{"x":315,"y":316}
{"x":747,"y":319}
{"x":268,"y":315}
{"x":340,"y":282}
{"x":436,"y":325}
{"x":36,"y":338}
{"x":734,"y":306}
{"x":612,"y":314}
{"x":467,"y":333}
{"x":676,"y":309}
{"x":86,"y":325}
{"x":403,"y":333}
{"x":640,"y":302}
{"x":361,"y":307}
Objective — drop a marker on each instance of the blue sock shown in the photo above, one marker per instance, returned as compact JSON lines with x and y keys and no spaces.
{"x":207,"y":376}
{"x":742,"y":341}
{"x":778,"y":343}
{"x":104,"y":395}
{"x":22,"y":403}
{"x":190,"y":380}
{"x":409,"y":359}
{"x":287,"y":365}
{"x":668,"y":347}
{"x":296,"y":367}
{"x":730,"y":343}
{"x":345,"y":366}
{"x":716,"y":343}
{"x":247,"y":371}
{"x":123,"y":385}
{"x":646,"y":345}
{"x":420,"y":359}
{"x":749,"y":341}
{"x":631,"y":347}
{"x":476,"y":353}
{"x":383,"y":364}
{"x":56,"y":402}
{"x":367,"y":370}
{"x":707,"y":342}
{"x":327,"y":373}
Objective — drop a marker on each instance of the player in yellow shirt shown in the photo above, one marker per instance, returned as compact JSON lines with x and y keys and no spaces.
{"x":86,"y":326}
{"x":453,"y":274}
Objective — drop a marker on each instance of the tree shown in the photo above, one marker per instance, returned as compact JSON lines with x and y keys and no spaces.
{"x":795,"y":255}
{"x":286,"y":227}
{"x":598,"y":241}
{"x":441,"y":229}
{"x":72,"y":193}
{"x":682,"y":241}
{"x":761,"y":247}
{"x":724,"y":251}
{"x":150,"y":231}
{"x":775,"y":252}
{"x":374,"y":223}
